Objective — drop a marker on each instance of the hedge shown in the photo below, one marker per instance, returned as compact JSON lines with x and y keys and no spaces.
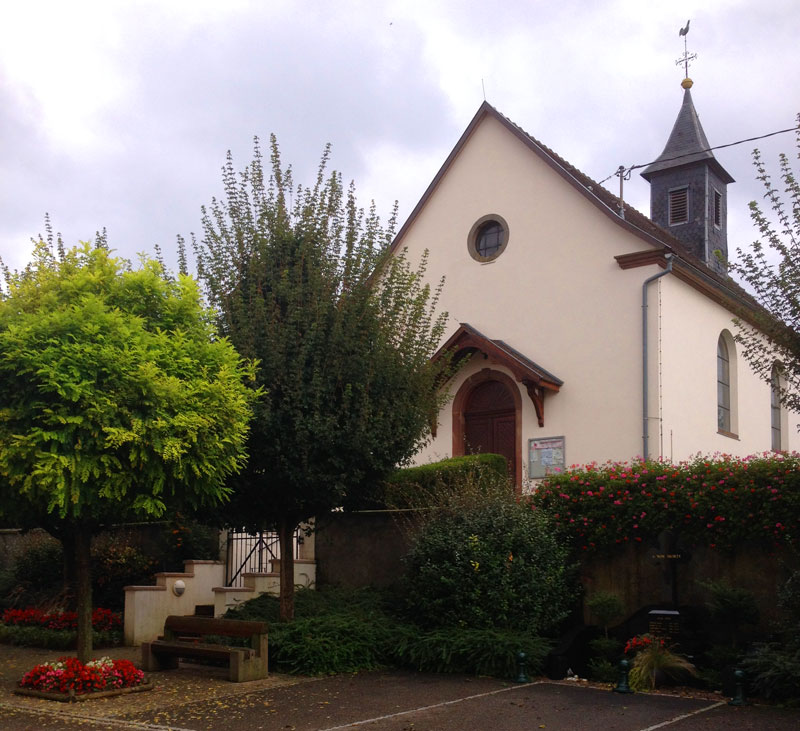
{"x":717,"y":501}
{"x":415,"y":487}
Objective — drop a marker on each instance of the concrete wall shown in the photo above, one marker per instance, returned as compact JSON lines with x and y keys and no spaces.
{"x":146,"y":607}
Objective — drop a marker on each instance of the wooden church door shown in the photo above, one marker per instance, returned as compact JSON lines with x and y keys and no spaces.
{"x":490,"y":422}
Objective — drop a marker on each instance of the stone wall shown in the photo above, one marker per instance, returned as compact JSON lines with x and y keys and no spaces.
{"x":366,"y":549}
{"x":360,"y":549}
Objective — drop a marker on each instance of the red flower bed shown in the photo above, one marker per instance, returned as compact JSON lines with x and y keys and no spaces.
{"x":102,"y":619}
{"x":71,"y":674}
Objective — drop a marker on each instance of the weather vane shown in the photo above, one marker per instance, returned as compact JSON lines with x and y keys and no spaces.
{"x":687,"y":57}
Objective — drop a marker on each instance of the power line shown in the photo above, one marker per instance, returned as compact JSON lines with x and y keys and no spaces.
{"x":628,"y":171}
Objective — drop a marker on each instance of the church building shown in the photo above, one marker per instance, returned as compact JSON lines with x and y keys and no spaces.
{"x":590,"y":331}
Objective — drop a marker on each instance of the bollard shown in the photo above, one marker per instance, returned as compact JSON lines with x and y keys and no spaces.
{"x":522,"y":676}
{"x":622,"y":684}
{"x":738,"y":698}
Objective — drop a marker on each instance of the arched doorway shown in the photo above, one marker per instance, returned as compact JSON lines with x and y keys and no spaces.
{"x":487,"y":415}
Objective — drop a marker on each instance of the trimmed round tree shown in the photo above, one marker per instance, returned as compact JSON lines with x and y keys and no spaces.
{"x":117,"y":401}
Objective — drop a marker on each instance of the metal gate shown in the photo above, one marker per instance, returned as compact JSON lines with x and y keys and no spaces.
{"x":253,"y":553}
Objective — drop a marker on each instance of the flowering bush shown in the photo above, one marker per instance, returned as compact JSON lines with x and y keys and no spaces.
{"x":641,"y":642}
{"x":71,"y":674}
{"x":103,"y":620}
{"x":717,"y":501}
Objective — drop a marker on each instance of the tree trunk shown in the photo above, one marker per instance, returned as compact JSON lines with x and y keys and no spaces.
{"x":83,"y":592}
{"x":286,"y":528}
{"x":69,"y":592}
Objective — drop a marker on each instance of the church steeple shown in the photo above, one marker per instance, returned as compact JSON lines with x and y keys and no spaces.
{"x":688,"y":187}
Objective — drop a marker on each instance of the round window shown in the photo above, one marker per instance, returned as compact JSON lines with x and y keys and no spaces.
{"x":488,"y":238}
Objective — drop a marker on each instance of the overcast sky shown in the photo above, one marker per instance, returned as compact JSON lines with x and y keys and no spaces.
{"x":119,"y":114}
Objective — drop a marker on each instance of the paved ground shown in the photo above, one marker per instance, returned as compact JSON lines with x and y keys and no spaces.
{"x":200,"y":699}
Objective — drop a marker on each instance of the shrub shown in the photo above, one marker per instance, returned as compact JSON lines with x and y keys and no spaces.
{"x":603,"y":671}
{"x":116,"y":563}
{"x":465,"y":650}
{"x":605,"y":606}
{"x":325,"y":645}
{"x":184,"y":539}
{"x":496,"y":564}
{"x":423,"y":485}
{"x":773,"y":668}
{"x":334,"y":631}
{"x":38,"y":573}
{"x":731,"y":606}
{"x":52,"y":639}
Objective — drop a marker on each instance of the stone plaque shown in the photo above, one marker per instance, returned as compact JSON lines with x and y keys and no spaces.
{"x":665,"y":624}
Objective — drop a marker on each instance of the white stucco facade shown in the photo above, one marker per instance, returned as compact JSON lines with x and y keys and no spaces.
{"x":559,"y":297}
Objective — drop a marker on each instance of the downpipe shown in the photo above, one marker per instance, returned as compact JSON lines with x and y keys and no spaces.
{"x":645,"y":381}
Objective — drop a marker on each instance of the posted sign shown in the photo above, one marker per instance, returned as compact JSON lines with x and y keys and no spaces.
{"x":545,"y":456}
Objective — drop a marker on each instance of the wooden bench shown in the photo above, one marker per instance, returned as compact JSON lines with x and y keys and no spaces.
{"x":184,"y":638}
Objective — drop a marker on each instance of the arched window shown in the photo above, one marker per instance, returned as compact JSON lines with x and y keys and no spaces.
{"x":723,"y":386}
{"x":727,"y":388}
{"x":775,"y":408}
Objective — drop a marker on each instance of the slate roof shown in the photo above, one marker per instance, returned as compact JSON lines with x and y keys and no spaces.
{"x":687,"y":144}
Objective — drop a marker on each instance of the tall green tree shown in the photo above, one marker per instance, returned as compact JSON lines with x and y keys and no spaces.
{"x":343,"y":334}
{"x":771,"y":268}
{"x":117,"y":400}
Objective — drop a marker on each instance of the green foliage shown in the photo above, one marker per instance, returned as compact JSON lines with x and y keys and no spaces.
{"x":789,"y":597}
{"x":116,"y":563}
{"x":770,"y":269}
{"x":339,"y":643}
{"x":605,"y":607}
{"x":51,"y":639}
{"x":343,"y":336}
{"x":481,"y":650}
{"x":603,"y":671}
{"x":719,"y":501}
{"x":185,"y":539}
{"x":421,"y":486}
{"x":773,"y":668}
{"x":116,"y":395}
{"x":347,"y":630}
{"x":495,"y":563}
{"x":607,"y":648}
{"x":38,"y":574}
{"x":343,"y":333}
{"x":731,"y":606}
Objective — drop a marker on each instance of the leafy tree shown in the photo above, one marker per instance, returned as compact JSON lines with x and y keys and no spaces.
{"x":117,"y":400}
{"x":343,"y":333}
{"x":772,"y":270}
